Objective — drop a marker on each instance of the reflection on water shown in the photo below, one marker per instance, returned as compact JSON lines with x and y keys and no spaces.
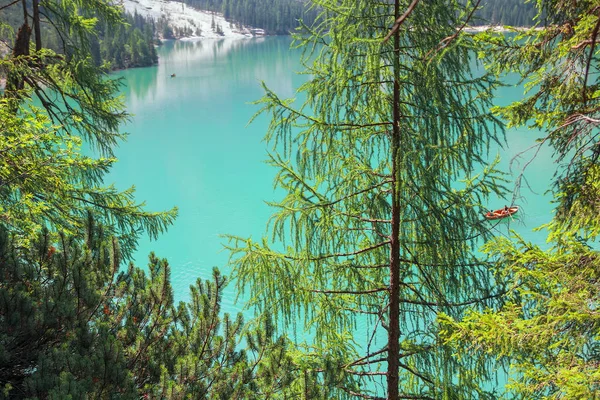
{"x":209,"y":68}
{"x":141,"y":81}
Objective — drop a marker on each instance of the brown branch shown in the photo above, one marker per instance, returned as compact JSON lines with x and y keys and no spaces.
{"x":375,"y":361}
{"x":371,"y":266}
{"x":360,"y":373}
{"x":582,"y":44}
{"x":380,"y":320}
{"x":348,"y":291}
{"x":420,"y":350}
{"x":373,"y":220}
{"x":400,"y":20}
{"x":326,"y":256}
{"x":577,"y":118}
{"x":359,"y":311}
{"x":412,"y":371}
{"x":360,"y":360}
{"x":357,"y":126}
{"x":10,"y":4}
{"x":589,"y":60}
{"x":415,"y":262}
{"x":448,"y":304}
{"x":25,"y":22}
{"x":333,"y":202}
{"x":449,"y":39}
{"x":36,"y":25}
{"x":360,"y":395}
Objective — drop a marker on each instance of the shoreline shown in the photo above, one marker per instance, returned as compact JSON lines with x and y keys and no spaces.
{"x":498,"y":28}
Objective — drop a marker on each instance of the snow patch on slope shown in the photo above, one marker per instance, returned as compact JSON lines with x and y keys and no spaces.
{"x":182,"y":16}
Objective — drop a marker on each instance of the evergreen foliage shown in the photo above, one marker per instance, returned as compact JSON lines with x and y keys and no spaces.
{"x":72,"y":325}
{"x":45,"y":180}
{"x":383,"y":205}
{"x":274,"y":16}
{"x":548,"y":329}
{"x":377,"y":227}
{"x":129,"y":45}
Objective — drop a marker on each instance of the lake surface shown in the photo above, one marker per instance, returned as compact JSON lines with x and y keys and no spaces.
{"x":190,"y":146}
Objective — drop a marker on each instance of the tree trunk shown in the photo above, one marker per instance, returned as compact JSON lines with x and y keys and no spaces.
{"x":14,"y":79}
{"x":36,"y":25}
{"x":394,"y":323}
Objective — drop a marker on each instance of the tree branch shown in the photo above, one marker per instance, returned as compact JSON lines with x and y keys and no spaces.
{"x":10,"y":4}
{"x":589,"y":60}
{"x":449,"y":39}
{"x":360,"y":360}
{"x":326,"y":256}
{"x":400,"y":20}
{"x":348,"y":291}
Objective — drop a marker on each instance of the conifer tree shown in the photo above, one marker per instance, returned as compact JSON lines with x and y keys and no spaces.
{"x":385,"y":180}
{"x":43,"y":176}
{"x":547,"y":332}
{"x":72,"y":324}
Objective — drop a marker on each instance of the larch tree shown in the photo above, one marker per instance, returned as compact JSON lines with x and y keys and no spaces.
{"x":547,"y":331}
{"x":53,"y":104}
{"x":385,"y":178}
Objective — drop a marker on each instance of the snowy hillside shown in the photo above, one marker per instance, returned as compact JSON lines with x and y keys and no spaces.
{"x":181,"y":16}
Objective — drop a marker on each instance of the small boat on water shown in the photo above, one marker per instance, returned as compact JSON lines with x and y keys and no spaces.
{"x":502,"y":213}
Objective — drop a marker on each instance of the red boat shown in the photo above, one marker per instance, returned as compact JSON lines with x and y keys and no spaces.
{"x":502,"y":213}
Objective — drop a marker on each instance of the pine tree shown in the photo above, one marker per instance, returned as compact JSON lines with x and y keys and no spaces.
{"x":72,"y":324}
{"x":135,"y":51}
{"x":385,"y":181}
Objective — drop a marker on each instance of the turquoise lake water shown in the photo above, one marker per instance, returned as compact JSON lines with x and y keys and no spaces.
{"x":190,"y":146}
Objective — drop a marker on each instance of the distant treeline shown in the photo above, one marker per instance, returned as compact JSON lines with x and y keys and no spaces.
{"x":506,"y":12}
{"x":127,"y":46}
{"x":274,"y":16}
{"x":282,"y":16}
